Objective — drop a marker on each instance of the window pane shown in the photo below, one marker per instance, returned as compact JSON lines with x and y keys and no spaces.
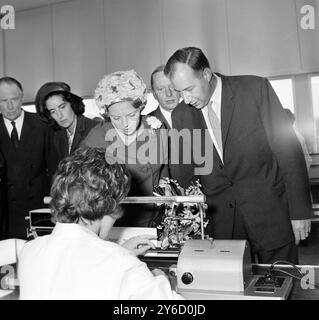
{"x":284,"y":91}
{"x":315,"y":104}
{"x":91,"y":109}
{"x":151,"y":104}
{"x":29,"y":108}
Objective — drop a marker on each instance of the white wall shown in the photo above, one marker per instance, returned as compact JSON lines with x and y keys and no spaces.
{"x":1,"y":53}
{"x":78,"y":41}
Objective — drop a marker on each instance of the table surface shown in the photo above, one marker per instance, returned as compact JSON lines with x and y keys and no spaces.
{"x":298,"y":291}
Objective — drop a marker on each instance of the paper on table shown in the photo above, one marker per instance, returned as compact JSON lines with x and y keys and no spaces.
{"x":9,"y":250}
{"x":121,"y":234}
{"x":4,"y":293}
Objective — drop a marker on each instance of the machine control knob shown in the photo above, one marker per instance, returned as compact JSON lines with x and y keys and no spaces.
{"x":187,"y":278}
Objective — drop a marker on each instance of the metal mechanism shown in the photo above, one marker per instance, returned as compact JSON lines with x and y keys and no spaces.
{"x":222,"y":269}
{"x":40,"y":220}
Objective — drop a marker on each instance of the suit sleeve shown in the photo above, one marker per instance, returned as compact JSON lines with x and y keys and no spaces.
{"x":95,"y":138}
{"x":288,"y":153}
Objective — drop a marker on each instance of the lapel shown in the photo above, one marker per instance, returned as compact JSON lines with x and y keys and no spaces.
{"x":27,"y":135}
{"x":6,"y":146}
{"x":3,"y":129}
{"x":227,"y":107}
{"x":158,"y":114}
{"x":80,"y":127}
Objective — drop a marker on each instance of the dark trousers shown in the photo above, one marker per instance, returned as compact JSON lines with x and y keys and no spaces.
{"x":288,"y":252}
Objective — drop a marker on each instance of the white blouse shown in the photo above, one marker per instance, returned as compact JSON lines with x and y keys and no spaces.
{"x":74,"y":263}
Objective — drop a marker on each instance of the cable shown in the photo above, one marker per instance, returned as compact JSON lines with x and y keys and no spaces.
{"x":272,"y":271}
{"x":284,"y":262}
{"x":298,"y":278}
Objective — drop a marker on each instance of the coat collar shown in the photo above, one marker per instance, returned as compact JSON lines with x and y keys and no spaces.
{"x":80,"y":127}
{"x":158,"y":114}
{"x":227,"y":107}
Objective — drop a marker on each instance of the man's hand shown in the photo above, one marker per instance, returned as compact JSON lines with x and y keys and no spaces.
{"x":301,"y":229}
{"x":140,"y":245}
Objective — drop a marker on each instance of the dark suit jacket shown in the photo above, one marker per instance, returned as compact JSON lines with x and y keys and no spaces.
{"x":29,"y":169}
{"x":83,"y":127}
{"x":3,"y":196}
{"x":159,"y":115}
{"x":264,"y":173}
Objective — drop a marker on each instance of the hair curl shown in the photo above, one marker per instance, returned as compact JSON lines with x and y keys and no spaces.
{"x":86,"y":186}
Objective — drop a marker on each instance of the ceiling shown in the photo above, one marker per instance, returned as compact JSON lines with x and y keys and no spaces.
{"x":28,"y":4}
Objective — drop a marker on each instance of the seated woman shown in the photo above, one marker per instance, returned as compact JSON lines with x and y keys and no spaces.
{"x":63,"y":110}
{"x":73,"y":262}
{"x":131,"y":139}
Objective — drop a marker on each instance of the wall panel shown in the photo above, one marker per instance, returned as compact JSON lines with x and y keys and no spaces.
{"x":263,"y":37}
{"x":133,"y":36}
{"x":1,"y":54}
{"x":78,"y":40}
{"x":28,"y":50}
{"x":308,"y":38}
{"x":200,"y":23}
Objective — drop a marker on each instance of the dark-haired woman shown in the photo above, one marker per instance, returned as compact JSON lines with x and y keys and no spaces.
{"x":63,"y":111}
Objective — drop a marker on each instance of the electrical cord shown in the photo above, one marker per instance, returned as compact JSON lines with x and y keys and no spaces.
{"x":299,"y":278}
{"x":272,"y":271}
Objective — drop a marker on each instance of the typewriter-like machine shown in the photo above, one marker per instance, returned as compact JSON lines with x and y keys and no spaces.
{"x":202,"y":268}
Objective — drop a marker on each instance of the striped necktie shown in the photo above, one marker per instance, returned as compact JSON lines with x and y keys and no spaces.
{"x":216,"y":126}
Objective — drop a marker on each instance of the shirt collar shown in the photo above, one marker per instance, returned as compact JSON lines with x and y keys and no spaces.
{"x":17,"y":121}
{"x":71,"y":134}
{"x":217,"y":94}
{"x":72,"y":229}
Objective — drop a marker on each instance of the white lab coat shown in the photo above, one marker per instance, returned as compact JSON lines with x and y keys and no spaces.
{"x":74,"y":263}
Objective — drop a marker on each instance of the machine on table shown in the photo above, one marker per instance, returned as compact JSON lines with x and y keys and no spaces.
{"x":204,"y":268}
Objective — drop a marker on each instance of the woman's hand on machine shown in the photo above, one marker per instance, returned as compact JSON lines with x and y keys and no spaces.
{"x":140,"y":245}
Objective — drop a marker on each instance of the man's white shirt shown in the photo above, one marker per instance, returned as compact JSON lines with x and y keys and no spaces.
{"x":18,"y":123}
{"x":216,"y":104}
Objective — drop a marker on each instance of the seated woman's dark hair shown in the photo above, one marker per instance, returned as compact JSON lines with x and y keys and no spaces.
{"x":86,"y":186}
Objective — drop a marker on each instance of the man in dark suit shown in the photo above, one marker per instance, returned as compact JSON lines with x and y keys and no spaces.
{"x":25,"y":142}
{"x":258,"y":188}
{"x":3,"y":196}
{"x":165,"y":95}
